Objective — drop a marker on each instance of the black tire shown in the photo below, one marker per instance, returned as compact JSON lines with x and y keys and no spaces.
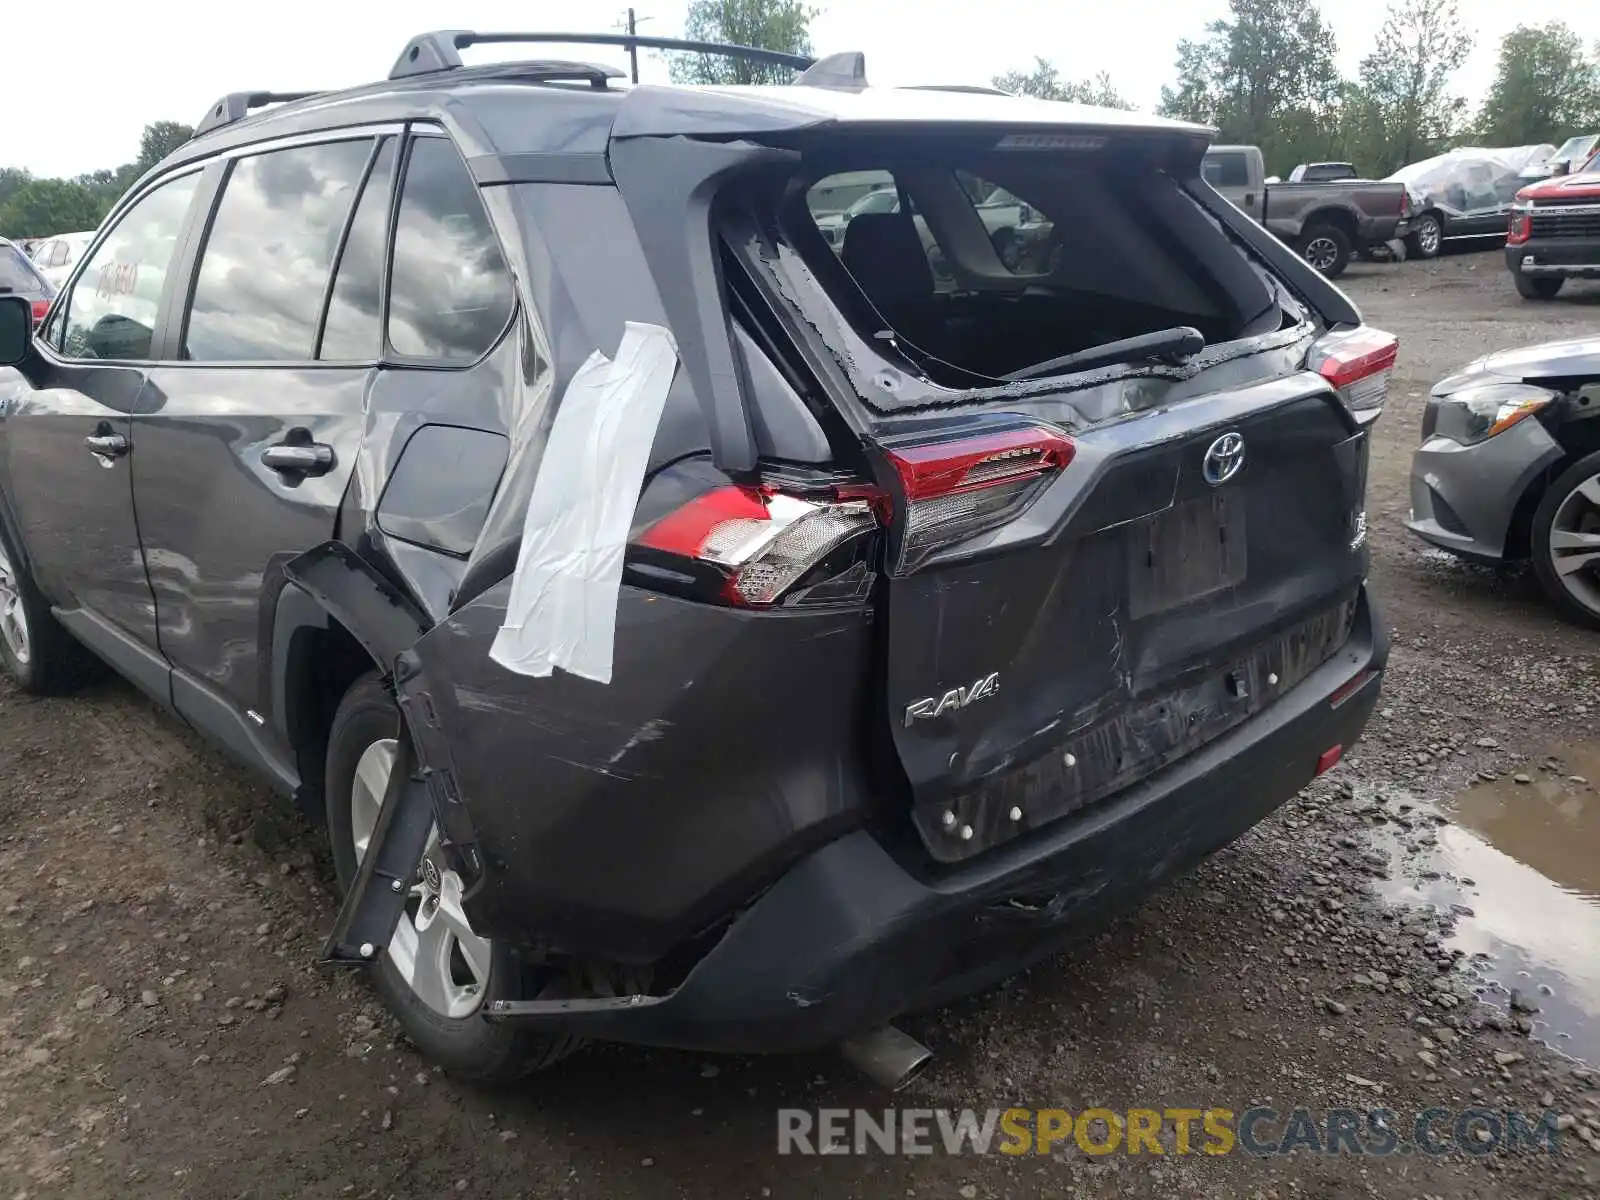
{"x":1327,"y":248}
{"x":469,"y":1047}
{"x":1418,"y":242}
{"x":1544,"y":516}
{"x":1537,"y":287}
{"x":52,"y":661}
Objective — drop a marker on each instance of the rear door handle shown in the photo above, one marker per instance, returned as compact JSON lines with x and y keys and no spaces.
{"x":303,"y":458}
{"x":107,"y":446}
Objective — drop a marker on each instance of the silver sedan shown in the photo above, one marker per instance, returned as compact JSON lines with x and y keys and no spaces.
{"x":1509,"y":467}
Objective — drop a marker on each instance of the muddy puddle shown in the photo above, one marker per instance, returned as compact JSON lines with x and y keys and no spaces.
{"x":1520,"y":863}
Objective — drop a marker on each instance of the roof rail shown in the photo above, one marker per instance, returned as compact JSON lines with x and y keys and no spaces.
{"x":236,"y":106}
{"x":974,"y":89}
{"x":439,"y":50}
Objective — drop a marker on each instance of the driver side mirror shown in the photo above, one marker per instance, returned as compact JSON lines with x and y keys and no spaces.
{"x":16,"y":330}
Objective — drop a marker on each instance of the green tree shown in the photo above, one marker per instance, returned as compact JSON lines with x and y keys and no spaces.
{"x":1264,"y":75}
{"x":1546,"y":88}
{"x":12,"y":181}
{"x":45,"y":206}
{"x":1045,"y":82}
{"x":767,"y":24}
{"x":1402,"y":110}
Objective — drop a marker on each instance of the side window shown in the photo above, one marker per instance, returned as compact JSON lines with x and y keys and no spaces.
{"x":111,"y":312}
{"x":450,"y":294}
{"x":269,"y":253}
{"x":354,"y":325}
{"x":1225,"y":169}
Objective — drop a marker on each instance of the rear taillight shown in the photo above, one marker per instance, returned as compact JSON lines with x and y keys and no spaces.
{"x":1520,"y":228}
{"x":959,"y":488}
{"x":759,"y":541}
{"x":41,"y":309}
{"x":1357,"y":364}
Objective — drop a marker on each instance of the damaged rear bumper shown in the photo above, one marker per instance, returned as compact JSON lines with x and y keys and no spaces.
{"x":855,"y":935}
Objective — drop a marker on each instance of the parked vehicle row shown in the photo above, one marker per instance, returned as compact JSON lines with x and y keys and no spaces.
{"x":1329,"y":214}
{"x":743,"y":638}
{"x":1326,"y":220}
{"x":56,"y":256}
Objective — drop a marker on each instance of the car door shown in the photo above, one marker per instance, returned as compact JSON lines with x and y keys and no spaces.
{"x":248,"y":443}
{"x":68,"y":436}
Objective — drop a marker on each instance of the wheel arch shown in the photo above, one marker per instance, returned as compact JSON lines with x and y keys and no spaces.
{"x":1340,"y":218}
{"x":1577,"y":439}
{"x":314,"y":661}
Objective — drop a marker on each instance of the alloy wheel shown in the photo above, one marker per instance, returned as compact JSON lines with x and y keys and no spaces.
{"x":1575,"y":543}
{"x":434,"y":949}
{"x":1428,"y":237}
{"x":13,"y":616}
{"x":1322,"y":253}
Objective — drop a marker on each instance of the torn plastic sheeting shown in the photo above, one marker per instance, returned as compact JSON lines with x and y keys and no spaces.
{"x":1470,"y":178}
{"x":562,"y":611}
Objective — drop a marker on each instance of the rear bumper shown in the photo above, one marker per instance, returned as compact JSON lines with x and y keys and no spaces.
{"x":853,"y":936}
{"x":1568,"y":258}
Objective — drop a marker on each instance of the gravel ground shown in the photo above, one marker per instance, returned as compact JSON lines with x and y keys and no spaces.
{"x":163,"y":1032}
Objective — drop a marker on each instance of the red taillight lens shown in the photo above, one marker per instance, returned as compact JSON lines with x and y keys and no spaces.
{"x":763,"y":542}
{"x":41,"y":309}
{"x":1520,"y":229}
{"x":1357,"y":363}
{"x":959,"y":488}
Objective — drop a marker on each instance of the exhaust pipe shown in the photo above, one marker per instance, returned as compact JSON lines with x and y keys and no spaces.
{"x":888,"y":1057}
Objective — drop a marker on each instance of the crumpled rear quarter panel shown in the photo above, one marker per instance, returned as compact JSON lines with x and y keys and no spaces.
{"x":617,"y":820}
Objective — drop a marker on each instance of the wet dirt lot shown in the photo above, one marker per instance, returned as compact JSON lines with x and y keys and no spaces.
{"x":1421,"y":928}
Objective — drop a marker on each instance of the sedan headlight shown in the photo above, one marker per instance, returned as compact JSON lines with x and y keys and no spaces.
{"x":1477,"y":413}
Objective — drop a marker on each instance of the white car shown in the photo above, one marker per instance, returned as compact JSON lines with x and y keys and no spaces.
{"x":55,"y":257}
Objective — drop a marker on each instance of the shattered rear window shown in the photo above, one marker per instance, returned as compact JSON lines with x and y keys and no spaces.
{"x":986,"y":263}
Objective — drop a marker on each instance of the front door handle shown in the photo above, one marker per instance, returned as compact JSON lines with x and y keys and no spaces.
{"x":106,"y":446}
{"x":299,"y":458}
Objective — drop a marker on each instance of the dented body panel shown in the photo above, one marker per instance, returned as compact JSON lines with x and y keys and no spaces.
{"x":898,"y":784}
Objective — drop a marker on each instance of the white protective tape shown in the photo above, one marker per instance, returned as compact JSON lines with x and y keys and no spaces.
{"x":562,"y":611}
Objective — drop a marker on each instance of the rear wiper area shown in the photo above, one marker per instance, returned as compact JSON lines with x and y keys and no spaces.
{"x":1175,"y":344}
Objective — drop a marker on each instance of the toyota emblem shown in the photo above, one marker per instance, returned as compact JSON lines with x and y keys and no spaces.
{"x":1224,"y":459}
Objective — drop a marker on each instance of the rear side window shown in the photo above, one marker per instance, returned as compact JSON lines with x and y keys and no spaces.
{"x":1226,"y":168}
{"x":17,"y":273}
{"x":112,"y":310}
{"x":267,"y":258}
{"x":450,"y":294}
{"x":354,"y":325}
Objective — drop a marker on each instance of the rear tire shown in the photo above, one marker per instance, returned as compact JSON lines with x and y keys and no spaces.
{"x":35,"y":650}
{"x":467,"y":1046}
{"x":1326,"y":248}
{"x":1426,"y":238}
{"x":1537,"y":287}
{"x":1566,"y":541}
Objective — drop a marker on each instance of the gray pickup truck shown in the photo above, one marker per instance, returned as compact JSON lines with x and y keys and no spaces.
{"x":1326,"y":221}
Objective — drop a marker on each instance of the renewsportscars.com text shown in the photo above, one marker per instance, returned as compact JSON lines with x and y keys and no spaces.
{"x":1259,"y":1131}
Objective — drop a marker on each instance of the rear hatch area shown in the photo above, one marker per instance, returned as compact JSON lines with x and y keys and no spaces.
{"x":1107,"y":453}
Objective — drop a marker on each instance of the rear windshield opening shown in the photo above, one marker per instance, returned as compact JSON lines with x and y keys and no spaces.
{"x":983,"y":263}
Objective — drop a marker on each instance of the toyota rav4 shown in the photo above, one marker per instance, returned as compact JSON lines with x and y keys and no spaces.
{"x":690,"y":632}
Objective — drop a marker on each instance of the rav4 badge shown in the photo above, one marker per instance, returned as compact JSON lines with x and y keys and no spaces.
{"x":954,"y":700}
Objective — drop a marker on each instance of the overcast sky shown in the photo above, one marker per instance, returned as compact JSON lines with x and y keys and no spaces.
{"x":88,"y":93}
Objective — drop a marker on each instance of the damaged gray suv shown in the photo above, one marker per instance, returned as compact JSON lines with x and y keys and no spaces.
{"x":692,"y":629}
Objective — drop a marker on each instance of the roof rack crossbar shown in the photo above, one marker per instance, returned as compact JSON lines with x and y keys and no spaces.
{"x":236,"y":106}
{"x":440,"y":49}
